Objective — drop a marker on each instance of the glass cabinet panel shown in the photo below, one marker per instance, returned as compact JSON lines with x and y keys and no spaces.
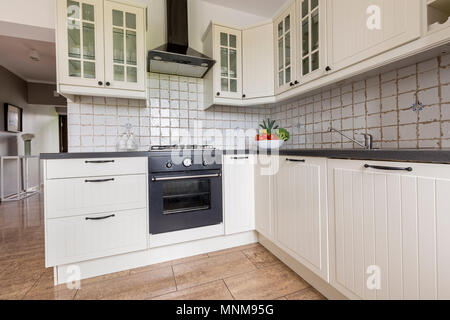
{"x":284,"y":51}
{"x":228,"y":62}
{"x":81,"y":42}
{"x":124,"y":46}
{"x":310,"y":37}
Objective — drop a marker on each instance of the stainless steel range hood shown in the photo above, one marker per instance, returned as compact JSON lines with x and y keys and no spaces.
{"x":176,"y":57}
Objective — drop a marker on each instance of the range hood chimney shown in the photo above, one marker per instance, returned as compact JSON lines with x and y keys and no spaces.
{"x":176,"y":57}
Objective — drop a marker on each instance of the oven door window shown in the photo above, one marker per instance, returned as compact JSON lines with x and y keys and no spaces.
{"x":181,"y":196}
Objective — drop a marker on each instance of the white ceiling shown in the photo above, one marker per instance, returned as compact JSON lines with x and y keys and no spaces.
{"x":262,"y":8}
{"x":15,"y":54}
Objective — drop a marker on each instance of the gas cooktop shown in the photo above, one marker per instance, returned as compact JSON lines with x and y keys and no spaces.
{"x":181,"y":147}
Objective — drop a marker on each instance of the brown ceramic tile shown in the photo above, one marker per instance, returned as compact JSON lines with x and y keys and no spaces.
{"x":260,"y":257}
{"x":44,"y":289}
{"x":216,"y":290}
{"x":210,"y":269}
{"x":142,"y":285}
{"x":240,"y":248}
{"x":151,"y":267}
{"x":265,"y":284}
{"x":306,"y":294}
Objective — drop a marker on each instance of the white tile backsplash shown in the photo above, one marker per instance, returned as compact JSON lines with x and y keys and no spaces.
{"x":380,"y":105}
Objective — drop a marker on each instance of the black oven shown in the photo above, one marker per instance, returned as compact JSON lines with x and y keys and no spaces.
{"x":183,"y":196}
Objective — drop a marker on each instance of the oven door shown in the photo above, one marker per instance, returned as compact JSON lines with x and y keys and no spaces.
{"x":185,"y":200}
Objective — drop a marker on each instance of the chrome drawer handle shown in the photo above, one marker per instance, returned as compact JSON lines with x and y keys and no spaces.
{"x":97,"y":181}
{"x":239,"y":158}
{"x":295,"y":160}
{"x":102,"y":218}
{"x":409,"y":169}
{"x":100,"y":161}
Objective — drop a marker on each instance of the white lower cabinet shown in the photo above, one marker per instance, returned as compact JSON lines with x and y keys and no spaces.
{"x":301,"y":211}
{"x":264,"y":195}
{"x":238,"y":182}
{"x":70,"y":197}
{"x":76,"y":239}
{"x":393,"y":221}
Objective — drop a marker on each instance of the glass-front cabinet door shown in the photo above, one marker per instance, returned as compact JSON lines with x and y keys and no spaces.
{"x":125,"y":66}
{"x":80,"y":45}
{"x":285,"y":76}
{"x":228,"y":54}
{"x":310,"y":14}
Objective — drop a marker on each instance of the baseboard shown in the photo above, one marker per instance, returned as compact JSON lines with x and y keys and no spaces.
{"x":103,"y":266}
{"x":318,"y":283}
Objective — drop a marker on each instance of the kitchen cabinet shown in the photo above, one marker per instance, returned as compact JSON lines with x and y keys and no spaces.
{"x":239,"y":193}
{"x":301,"y":211}
{"x":265,"y":169}
{"x":224,"y":45}
{"x":285,"y":57}
{"x":257,"y":62}
{"x":101,"y":48}
{"x":311,"y":36}
{"x":361,"y":29}
{"x":392,"y":218}
{"x":95,"y":208}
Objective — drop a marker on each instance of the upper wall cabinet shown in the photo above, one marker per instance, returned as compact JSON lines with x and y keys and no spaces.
{"x":225,"y":46}
{"x":257,"y":62}
{"x":285,"y":34}
{"x":361,"y":29}
{"x":311,"y":26}
{"x":101,"y":48}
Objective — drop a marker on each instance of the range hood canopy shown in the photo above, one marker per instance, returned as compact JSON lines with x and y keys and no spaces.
{"x":176,"y":57}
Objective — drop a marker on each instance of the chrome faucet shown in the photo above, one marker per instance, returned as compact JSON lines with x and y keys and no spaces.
{"x":368,"y":138}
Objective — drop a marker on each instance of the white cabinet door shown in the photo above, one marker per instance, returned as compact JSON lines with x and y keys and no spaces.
{"x":125,"y":64}
{"x":228,"y":69}
{"x":311,"y":34}
{"x":285,"y":57}
{"x":265,"y":170}
{"x":257,"y":62}
{"x":78,"y":196}
{"x":75,"y":239}
{"x":301,"y":211}
{"x":360,"y":29}
{"x":80,"y":42}
{"x":238,"y":182}
{"x":393,"y":221}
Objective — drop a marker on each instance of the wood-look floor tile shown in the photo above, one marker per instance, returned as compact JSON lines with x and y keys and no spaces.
{"x":169,"y":263}
{"x":143,"y":285}
{"x":230,"y":250}
{"x":306,"y":294}
{"x":106,"y":277}
{"x":45,"y":289}
{"x":260,"y":257}
{"x":209,"y":269}
{"x":216,"y":290}
{"x":265,"y":284}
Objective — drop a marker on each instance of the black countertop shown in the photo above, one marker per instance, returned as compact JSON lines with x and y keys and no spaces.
{"x":428,"y":156}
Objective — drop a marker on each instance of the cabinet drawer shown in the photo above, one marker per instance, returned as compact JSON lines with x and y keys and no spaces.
{"x":89,"y":237}
{"x":79,"y":196}
{"x":73,"y":168}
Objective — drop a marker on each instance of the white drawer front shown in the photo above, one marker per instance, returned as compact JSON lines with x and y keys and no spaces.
{"x":80,"y":196}
{"x":73,"y":168}
{"x":76,"y":239}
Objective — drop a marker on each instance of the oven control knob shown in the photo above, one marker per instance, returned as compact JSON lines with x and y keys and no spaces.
{"x":187,"y":162}
{"x":205,"y":164}
{"x":169,"y":165}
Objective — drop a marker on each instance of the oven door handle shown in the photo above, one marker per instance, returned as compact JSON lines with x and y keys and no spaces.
{"x":156,"y":179}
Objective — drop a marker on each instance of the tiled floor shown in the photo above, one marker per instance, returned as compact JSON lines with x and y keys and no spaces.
{"x":247,"y":272}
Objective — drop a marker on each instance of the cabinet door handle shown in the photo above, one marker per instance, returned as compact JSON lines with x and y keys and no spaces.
{"x":409,"y":169}
{"x":296,"y":82}
{"x":328,"y":68}
{"x":243,"y":96}
{"x":218,"y":94}
{"x":239,"y":158}
{"x":295,"y":160}
{"x":101,"y":218}
{"x":100,"y":83}
{"x":98,"y":181}
{"x":108,"y":84}
{"x":291,"y":84}
{"x":100,"y":161}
